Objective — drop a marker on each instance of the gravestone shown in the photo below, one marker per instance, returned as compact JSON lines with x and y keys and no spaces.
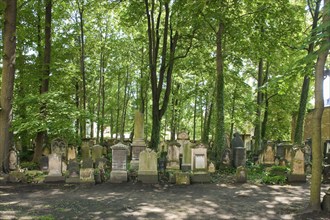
{"x":326,"y":202}
{"x":182,"y":178}
{"x":239,"y":156}
{"x":288,"y":149}
{"x":226,"y":157}
{"x":97,"y":152}
{"x":13,"y":160}
{"x":247,"y":141}
{"x":297,"y":167}
{"x":73,"y":168}
{"x":211,"y":168}
{"x":138,"y":145}
{"x":308,"y":154}
{"x":85,"y":150}
{"x":173,"y":156}
{"x":237,"y":141}
{"x":59,"y":146}
{"x":147,"y":172}
{"x":185,"y":150}
{"x":119,"y":163}
{"x":269,"y":155}
{"x":199,"y":164}
{"x":241,"y":174}
{"x":326,"y":148}
{"x":55,"y":168}
{"x":72,"y":153}
{"x":280,"y":153}
{"x":102,"y":163}
{"x":87,"y":171}
{"x":326,"y":173}
{"x":43,"y":163}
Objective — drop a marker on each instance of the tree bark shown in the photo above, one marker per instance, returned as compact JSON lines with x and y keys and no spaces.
{"x":7,"y":83}
{"x":41,"y":135}
{"x":314,"y":202}
{"x":298,"y":132}
{"x":257,"y":130}
{"x":219,"y":139}
{"x":265,"y":97}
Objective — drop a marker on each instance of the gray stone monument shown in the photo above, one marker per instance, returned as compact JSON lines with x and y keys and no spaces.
{"x":43,"y":163}
{"x":298,"y":167}
{"x":74,"y":176}
{"x":173,"y":156}
{"x":138,"y":144}
{"x":72,"y":153}
{"x":226,"y":157}
{"x":239,"y":156}
{"x":241,"y":174}
{"x":13,"y":160}
{"x":55,"y":168}
{"x":97,"y":152}
{"x":199,"y":164}
{"x":119,"y":163}
{"x":85,"y":150}
{"x":87,"y":171}
{"x":147,"y":172}
{"x":269,"y":155}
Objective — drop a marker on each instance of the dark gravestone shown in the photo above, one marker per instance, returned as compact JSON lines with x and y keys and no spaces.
{"x":326,"y":174}
{"x":102,"y":163}
{"x":237,"y":141}
{"x":226,"y":158}
{"x":87,"y":163}
{"x":239,"y":156}
{"x":74,"y":170}
{"x":326,"y":202}
{"x":43,"y":163}
{"x":280,"y":152}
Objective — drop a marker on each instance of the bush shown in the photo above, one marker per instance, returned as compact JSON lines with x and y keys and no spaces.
{"x":29,"y":166}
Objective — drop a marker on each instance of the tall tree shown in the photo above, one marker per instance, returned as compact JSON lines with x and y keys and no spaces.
{"x":305,"y":87}
{"x":41,"y":135}
{"x":7,"y":83}
{"x":163,"y":77}
{"x":314,"y":202}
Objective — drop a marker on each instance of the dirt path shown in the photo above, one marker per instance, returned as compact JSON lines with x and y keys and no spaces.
{"x":142,"y":201}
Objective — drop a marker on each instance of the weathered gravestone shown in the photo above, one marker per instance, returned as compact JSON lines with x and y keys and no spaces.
{"x":85,"y":150}
{"x":297,"y":167}
{"x":138,"y":144}
{"x":226,"y":157}
{"x":13,"y":160}
{"x":326,"y":173}
{"x":73,"y":168}
{"x":59,"y":146}
{"x":97,"y":152}
{"x":55,"y":168}
{"x":269,"y":155}
{"x":288,"y":149}
{"x":173,"y":156}
{"x":280,"y":153}
{"x":241,"y":174}
{"x":87,"y":171}
{"x":43,"y":163}
{"x":185,"y":150}
{"x":147,"y":172}
{"x":326,"y":202}
{"x":119,"y":163}
{"x":182,"y":178}
{"x":72,"y":153}
{"x":211,"y":168}
{"x":199,"y":164}
{"x":239,"y":154}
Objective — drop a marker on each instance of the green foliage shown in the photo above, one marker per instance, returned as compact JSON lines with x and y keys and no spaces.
{"x":29,"y":165}
{"x":268,"y":175}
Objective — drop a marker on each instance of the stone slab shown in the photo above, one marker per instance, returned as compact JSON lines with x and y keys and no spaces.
{"x":182,"y":178}
{"x":72,"y":180}
{"x":148,"y":178}
{"x":292,"y":178}
{"x":201,"y":178}
{"x":186,"y":167}
{"x":54,"y":179}
{"x":118,"y":176}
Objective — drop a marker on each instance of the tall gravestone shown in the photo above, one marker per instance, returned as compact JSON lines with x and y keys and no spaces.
{"x":59,"y":146}
{"x":226,"y":157}
{"x":199,"y":164}
{"x":269,"y":155}
{"x":87,"y":171}
{"x":119,"y":163}
{"x":72,"y":153}
{"x":185,"y":150}
{"x":13,"y":160}
{"x":173,"y":156}
{"x":85,"y":150}
{"x":138,"y":144}
{"x":239,"y":153}
{"x":55,"y":168}
{"x":297,"y":167}
{"x":147,"y":172}
{"x":97,"y":152}
{"x":74,"y":172}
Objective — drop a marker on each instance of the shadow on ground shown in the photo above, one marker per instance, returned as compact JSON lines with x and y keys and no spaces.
{"x":142,"y":201}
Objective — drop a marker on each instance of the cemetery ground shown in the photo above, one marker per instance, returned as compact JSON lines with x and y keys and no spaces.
{"x":221,"y":199}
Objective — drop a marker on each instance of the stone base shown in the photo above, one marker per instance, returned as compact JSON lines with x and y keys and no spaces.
{"x":201,"y":178}
{"x":294,"y":178}
{"x":186,"y":167}
{"x":118,"y":176}
{"x":87,"y":175}
{"x":146,"y":178}
{"x":54,"y":179}
{"x":326,"y":202}
{"x":182,"y":178}
{"x":72,"y":180}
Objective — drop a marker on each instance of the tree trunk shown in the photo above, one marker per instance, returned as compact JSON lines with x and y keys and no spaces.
{"x":41,"y":135}
{"x":257,"y":130}
{"x":265,"y":119}
{"x":314,"y":202}
{"x":125,"y":104}
{"x":298,"y":132}
{"x":7,"y":83}
{"x":219,"y":139}
{"x":207,"y":123}
{"x":233,"y":112}
{"x":82,"y":66}
{"x":166,"y":66}
{"x":195,"y":116}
